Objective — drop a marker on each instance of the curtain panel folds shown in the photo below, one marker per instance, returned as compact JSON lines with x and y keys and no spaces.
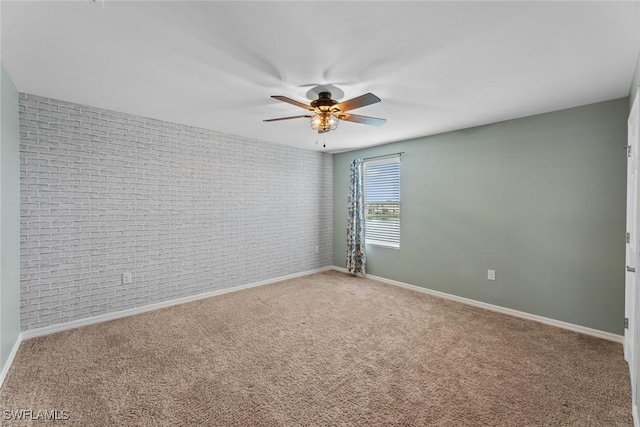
{"x":356,"y":257}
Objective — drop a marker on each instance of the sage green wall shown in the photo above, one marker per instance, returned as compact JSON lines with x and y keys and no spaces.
{"x":9,"y":217}
{"x":635,"y":83}
{"x":541,"y":200}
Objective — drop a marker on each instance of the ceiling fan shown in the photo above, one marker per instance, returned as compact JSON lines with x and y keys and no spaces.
{"x":327,"y":112}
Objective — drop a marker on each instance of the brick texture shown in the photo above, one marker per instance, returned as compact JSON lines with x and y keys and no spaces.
{"x":185,"y":210}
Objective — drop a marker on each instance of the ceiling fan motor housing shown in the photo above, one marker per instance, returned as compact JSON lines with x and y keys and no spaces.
{"x":324,"y":102}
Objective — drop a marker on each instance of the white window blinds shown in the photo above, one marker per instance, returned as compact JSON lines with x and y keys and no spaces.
{"x":382,"y":201}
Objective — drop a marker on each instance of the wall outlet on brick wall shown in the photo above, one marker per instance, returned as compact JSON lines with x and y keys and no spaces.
{"x":126,"y":278}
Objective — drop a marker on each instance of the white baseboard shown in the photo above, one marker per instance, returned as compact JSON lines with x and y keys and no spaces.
{"x":32,"y":333}
{"x":47,"y":330}
{"x":558,"y":323}
{"x":12,"y":355}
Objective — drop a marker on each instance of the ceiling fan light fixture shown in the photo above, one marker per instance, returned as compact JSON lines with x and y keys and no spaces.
{"x":324,"y":122}
{"x":325,"y":113}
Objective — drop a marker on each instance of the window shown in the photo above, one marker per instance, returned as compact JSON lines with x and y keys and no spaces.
{"x":382,"y":202}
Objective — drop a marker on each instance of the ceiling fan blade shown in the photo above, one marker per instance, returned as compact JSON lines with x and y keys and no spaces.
{"x":286,"y":118}
{"x":362,"y":119}
{"x":292,"y":102}
{"x":360,"y":101}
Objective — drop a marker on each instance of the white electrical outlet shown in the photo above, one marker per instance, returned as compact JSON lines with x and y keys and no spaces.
{"x":316,"y":250}
{"x":126,"y":278}
{"x":491,"y":274}
{"x":99,"y":3}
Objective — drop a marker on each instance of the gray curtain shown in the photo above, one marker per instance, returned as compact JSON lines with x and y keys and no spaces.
{"x":356,"y":258}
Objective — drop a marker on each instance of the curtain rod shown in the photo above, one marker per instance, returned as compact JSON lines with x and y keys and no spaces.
{"x":385,"y":155}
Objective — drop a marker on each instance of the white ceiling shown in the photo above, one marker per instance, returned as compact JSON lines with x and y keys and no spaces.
{"x":438,"y":66}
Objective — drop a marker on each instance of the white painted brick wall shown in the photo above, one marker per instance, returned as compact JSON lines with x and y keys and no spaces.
{"x":185,"y":210}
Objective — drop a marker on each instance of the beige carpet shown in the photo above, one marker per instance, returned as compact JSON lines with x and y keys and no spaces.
{"x":326,"y":349}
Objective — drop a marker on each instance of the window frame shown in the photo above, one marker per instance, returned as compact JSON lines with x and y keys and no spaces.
{"x":386,"y":159}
